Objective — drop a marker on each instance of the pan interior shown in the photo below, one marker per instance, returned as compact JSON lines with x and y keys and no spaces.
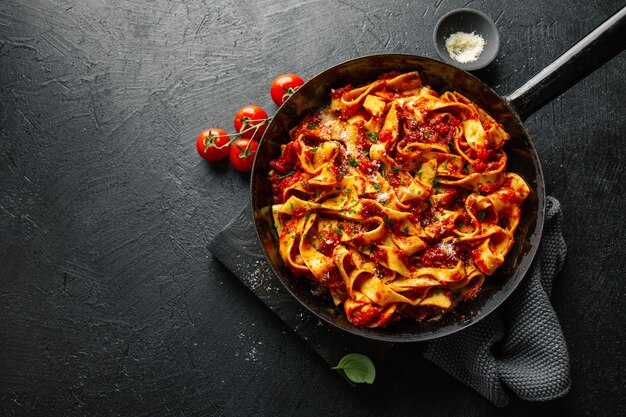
{"x":523,"y":160}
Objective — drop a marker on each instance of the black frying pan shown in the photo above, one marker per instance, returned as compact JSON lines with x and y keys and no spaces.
{"x":591,"y":52}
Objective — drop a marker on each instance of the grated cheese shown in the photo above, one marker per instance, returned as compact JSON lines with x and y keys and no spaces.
{"x":382,"y":197}
{"x":465,"y":47}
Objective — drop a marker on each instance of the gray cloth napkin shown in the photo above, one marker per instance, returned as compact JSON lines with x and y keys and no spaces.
{"x":519,"y":346}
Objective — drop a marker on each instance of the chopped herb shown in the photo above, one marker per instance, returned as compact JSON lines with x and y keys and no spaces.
{"x":312,"y":126}
{"x":395,"y":170}
{"x":419,"y":174}
{"x":387,"y":220}
{"x":406,"y":229}
{"x":373,"y":137}
{"x":353,"y":162}
{"x":451,"y":146}
{"x":445,"y":164}
{"x":465,"y":169}
{"x":313,"y":150}
{"x":366,"y":152}
{"x":338,"y":232}
{"x":286,"y":174}
{"x":480,"y":216}
{"x":377,"y":186}
{"x":434,"y":181}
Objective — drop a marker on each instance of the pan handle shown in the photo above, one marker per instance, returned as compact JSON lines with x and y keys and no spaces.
{"x":606,"y":41}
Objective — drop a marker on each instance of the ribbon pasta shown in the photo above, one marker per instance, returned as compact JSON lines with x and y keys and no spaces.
{"x":396,"y":199}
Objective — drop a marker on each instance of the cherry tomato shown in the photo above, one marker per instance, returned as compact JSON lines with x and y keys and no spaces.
{"x":242,"y":154}
{"x":284,"y":86}
{"x":248,"y":117}
{"x":212,"y":144}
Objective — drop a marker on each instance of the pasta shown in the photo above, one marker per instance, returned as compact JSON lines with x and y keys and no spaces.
{"x":396,"y":199}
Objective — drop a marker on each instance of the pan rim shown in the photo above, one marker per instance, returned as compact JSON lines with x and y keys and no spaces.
{"x":490,"y":305}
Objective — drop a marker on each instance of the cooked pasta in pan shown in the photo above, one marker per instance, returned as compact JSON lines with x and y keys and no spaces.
{"x":396,"y":199}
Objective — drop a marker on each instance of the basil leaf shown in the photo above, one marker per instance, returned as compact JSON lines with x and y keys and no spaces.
{"x":358,"y":368}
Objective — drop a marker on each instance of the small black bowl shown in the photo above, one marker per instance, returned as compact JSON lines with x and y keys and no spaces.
{"x":468,"y":21}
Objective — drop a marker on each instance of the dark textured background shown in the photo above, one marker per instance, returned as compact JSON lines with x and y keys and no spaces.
{"x":110,"y":303}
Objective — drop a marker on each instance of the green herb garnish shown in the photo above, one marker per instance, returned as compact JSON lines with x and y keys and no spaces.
{"x":286,"y":174}
{"x":480,"y":215}
{"x":352,"y":161}
{"x":373,"y":137}
{"x":358,"y":368}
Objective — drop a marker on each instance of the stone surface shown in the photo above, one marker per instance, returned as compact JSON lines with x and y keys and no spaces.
{"x":110,"y":303}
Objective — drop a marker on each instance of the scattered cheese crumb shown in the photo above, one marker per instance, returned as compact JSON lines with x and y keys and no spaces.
{"x":447,"y":248}
{"x":465,"y":47}
{"x":382,"y":197}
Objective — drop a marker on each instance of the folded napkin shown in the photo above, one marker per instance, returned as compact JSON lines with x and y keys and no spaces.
{"x":519,"y":346}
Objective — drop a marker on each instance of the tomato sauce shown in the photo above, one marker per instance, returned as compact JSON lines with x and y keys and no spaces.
{"x":340,"y":92}
{"x":440,"y":253}
{"x":380,"y":256}
{"x":365,"y":315}
{"x":288,"y":160}
{"x":327,"y":243}
{"x":370,"y":209}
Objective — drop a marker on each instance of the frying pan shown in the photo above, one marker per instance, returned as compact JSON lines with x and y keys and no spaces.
{"x":584,"y":57}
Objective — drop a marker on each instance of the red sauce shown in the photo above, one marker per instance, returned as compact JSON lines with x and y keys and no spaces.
{"x":334,"y":281}
{"x":510,"y":196}
{"x":388,"y":75}
{"x":479,"y":262}
{"x":486,"y":160}
{"x":427,"y":216}
{"x":370,"y":209}
{"x":443,"y":127}
{"x":309,"y":123}
{"x":289,"y":160}
{"x":435,"y":255}
{"x":364,"y":315}
{"x":367,"y":166}
{"x":328,"y":242}
{"x":280,"y":183}
{"x":340,"y":92}
{"x":380,"y":256}
{"x":385,"y":136}
{"x":488,"y":188}
{"x":450,"y":197}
